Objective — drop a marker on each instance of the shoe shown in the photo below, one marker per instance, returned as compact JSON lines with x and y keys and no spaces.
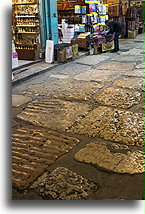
{"x":114,"y":50}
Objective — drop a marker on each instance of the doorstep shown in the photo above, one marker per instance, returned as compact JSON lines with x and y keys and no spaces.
{"x":23,"y":65}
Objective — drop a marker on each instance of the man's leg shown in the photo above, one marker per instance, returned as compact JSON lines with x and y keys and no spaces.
{"x":116,"y":42}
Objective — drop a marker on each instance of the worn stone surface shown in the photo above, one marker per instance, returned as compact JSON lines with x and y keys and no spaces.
{"x":70,"y":69}
{"x":134,"y":52}
{"x":113,"y":125}
{"x":116,"y":66}
{"x":33,"y":69}
{"x":54,"y":114}
{"x":59,"y":76}
{"x":98,"y":75}
{"x":135,"y":73}
{"x":63,"y":184}
{"x":114,"y":157}
{"x":19,"y":100}
{"x":118,"y":97}
{"x":92,"y":60}
{"x":127,"y":58}
{"x":140,"y":66}
{"x":33,"y":150}
{"x":130,"y":83}
{"x":70,"y":90}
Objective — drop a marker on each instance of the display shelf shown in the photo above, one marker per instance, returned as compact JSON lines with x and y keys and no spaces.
{"x":29,"y":3}
{"x":28,"y":32}
{"x":27,"y":25}
{"x":27,"y":16}
{"x":26,"y":29}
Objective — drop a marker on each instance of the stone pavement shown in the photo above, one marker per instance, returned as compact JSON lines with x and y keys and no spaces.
{"x":78,"y":129}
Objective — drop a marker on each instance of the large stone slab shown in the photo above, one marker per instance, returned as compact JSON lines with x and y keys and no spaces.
{"x":116,"y":66}
{"x":127,"y":58}
{"x":135,"y":73}
{"x":63,"y":184}
{"x":19,"y":100}
{"x":113,"y":125}
{"x":33,"y":150}
{"x":98,"y":75}
{"x":70,"y":69}
{"x":140,"y":66}
{"x":118,"y":98}
{"x":112,"y":157}
{"x":134,"y":52}
{"x":130,"y":83}
{"x":92,"y":60}
{"x":70,"y":90}
{"x":53,"y":114}
{"x":59,"y":76}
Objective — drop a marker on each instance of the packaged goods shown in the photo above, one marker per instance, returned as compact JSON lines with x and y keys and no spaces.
{"x":68,"y":52}
{"x":77,"y":9}
{"x":75,"y":51}
{"x":131,"y":34}
{"x":108,"y":46}
{"x":84,"y":9}
{"x":49,"y":54}
{"x":61,"y":55}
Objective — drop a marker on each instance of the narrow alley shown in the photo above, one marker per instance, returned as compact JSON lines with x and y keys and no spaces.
{"x":78,"y":128}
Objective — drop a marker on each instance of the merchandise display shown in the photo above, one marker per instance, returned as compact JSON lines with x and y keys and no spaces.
{"x":81,"y":24}
{"x":26,"y":28}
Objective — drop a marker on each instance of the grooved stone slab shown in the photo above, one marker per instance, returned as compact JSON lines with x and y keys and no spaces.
{"x":98,"y":75}
{"x":19,"y":100}
{"x":130,"y":83}
{"x":135,"y":73}
{"x":92,"y":60}
{"x":53,"y":114}
{"x":118,"y":97}
{"x":117,"y":66}
{"x":63,"y":184}
{"x":70,"y":90}
{"x":112,"y":124}
{"x":33,"y":150}
{"x":114,"y":157}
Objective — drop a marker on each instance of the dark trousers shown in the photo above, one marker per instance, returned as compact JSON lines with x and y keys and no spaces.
{"x":116,"y":42}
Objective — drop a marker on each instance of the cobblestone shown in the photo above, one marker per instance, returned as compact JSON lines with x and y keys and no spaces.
{"x":113,"y":157}
{"x":116,"y":66}
{"x":33,"y":150}
{"x":69,"y":90}
{"x":135,"y":73}
{"x":19,"y":100}
{"x":92,"y":60}
{"x":53,"y":114}
{"x":113,"y":125}
{"x":98,"y":75}
{"x":130,"y":83}
{"x":118,"y":98}
{"x":63,"y":184}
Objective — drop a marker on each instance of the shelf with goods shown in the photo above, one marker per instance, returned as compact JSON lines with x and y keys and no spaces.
{"x":86,"y":16}
{"x":26,"y":28}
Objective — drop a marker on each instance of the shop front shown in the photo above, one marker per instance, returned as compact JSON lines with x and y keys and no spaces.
{"x":72,"y":24}
{"x":33,"y":22}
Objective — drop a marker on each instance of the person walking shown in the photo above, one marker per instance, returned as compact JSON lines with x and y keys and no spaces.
{"x":116,"y":28}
